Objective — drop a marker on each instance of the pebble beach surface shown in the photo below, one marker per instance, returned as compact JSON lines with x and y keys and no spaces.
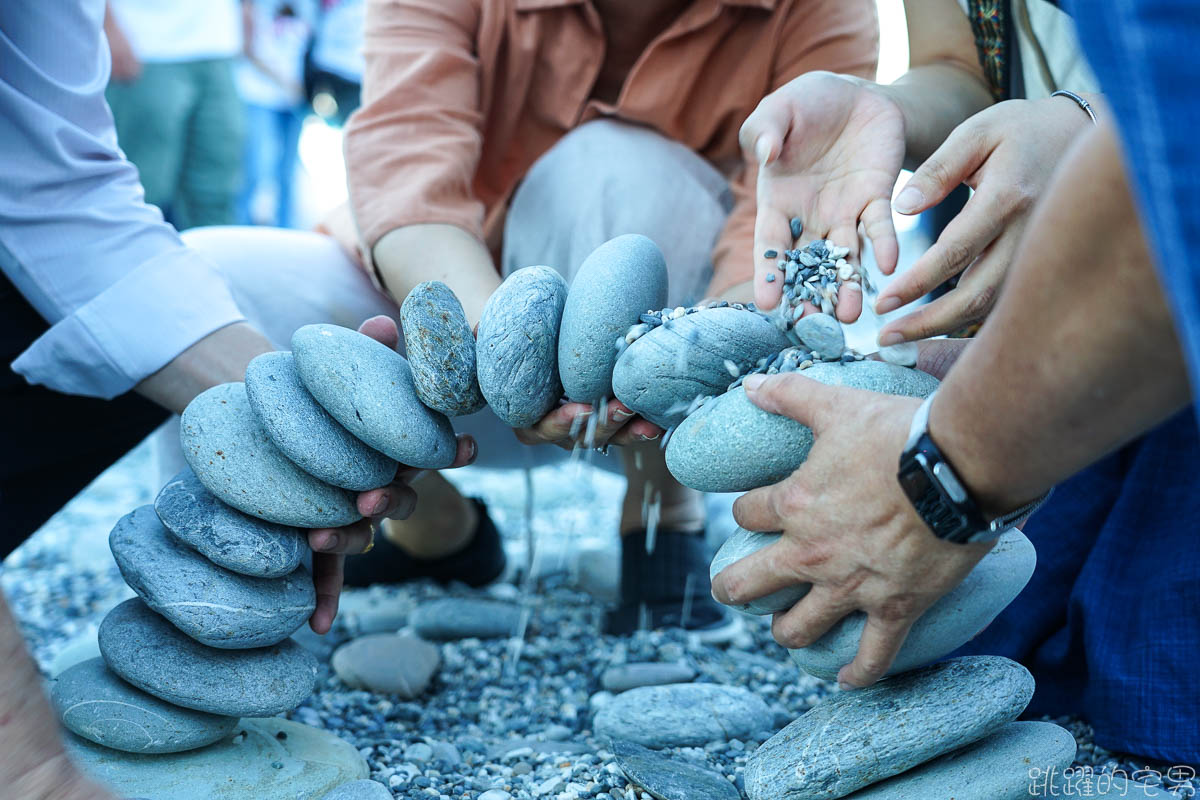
{"x":502,"y":718}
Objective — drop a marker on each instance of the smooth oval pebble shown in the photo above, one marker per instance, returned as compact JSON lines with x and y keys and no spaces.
{"x":622,"y":279}
{"x":683,"y":715}
{"x":359,"y":790}
{"x":670,"y":778}
{"x":856,"y":738}
{"x":623,"y":677}
{"x":1005,"y":766}
{"x":821,"y":333}
{"x":516,"y":351}
{"x":102,"y":708}
{"x":955,"y":619}
{"x":465,"y":618}
{"x":368,"y":387}
{"x":306,"y":433}
{"x":235,"y":459}
{"x":741,"y":544}
{"x":664,"y":370}
{"x":441,"y":350}
{"x":209,"y":603}
{"x":387,"y":662}
{"x":224,"y":535}
{"x":147,"y":651}
{"x":731,"y":445}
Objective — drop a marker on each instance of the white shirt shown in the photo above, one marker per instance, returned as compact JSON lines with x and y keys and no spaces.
{"x":179,"y":30}
{"x":279,"y":44}
{"x":123,"y":294}
{"x":339,"y":39}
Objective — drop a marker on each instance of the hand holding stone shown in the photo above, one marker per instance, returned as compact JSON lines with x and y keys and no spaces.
{"x":570,"y":425}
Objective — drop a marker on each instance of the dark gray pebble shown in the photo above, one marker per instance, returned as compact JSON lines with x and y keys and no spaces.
{"x":465,"y":618}
{"x":670,"y":778}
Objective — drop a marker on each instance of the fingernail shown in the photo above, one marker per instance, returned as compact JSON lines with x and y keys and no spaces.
{"x":752,"y":382}
{"x":331,"y":543}
{"x":845,"y":687}
{"x":909,"y":200}
{"x":472,"y":451}
{"x":886,"y":304}
{"x":890,"y":338}
{"x":646,"y":438}
{"x":379,"y":507}
{"x":621,"y":414}
{"x":762,"y":150}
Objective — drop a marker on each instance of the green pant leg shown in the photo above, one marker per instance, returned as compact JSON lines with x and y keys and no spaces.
{"x":212,"y":163}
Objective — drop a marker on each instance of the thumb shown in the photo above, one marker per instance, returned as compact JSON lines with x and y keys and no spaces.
{"x":792,"y":395}
{"x":762,"y":134}
{"x":381,"y":328}
{"x":956,"y":160}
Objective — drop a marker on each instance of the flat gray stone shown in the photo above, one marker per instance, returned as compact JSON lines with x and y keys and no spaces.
{"x":670,"y":778}
{"x":235,"y":459}
{"x":683,"y":715}
{"x":389,"y":663}
{"x":306,"y":433}
{"x":854,"y":739}
{"x":623,"y":677}
{"x":224,"y":535}
{"x":955,"y":619}
{"x":368,"y":387}
{"x":147,"y":651}
{"x":1004,"y":766}
{"x":212,"y":605}
{"x":665,"y":369}
{"x":621,"y":280}
{"x":822,"y":333}
{"x":516,"y":350}
{"x":731,"y":445}
{"x":741,"y":544}
{"x":360,"y":790}
{"x":465,"y":618}
{"x":102,"y":708}
{"x":275,"y":760}
{"x":441,"y":350}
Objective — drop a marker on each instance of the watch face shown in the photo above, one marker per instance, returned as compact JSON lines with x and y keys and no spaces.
{"x":915,"y":481}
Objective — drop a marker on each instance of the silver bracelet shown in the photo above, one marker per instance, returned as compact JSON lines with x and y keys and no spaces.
{"x":1079,"y":101}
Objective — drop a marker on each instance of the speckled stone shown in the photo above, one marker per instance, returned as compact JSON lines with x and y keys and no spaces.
{"x":621,"y":279}
{"x":1004,"y":766}
{"x":465,"y":618}
{"x":822,"y":333}
{"x":389,"y":663}
{"x":665,"y":369}
{"x":224,"y":535}
{"x":235,"y":459}
{"x":147,"y":651}
{"x":741,"y":544}
{"x":441,"y":350}
{"x":670,"y":778}
{"x":102,"y":708}
{"x":359,"y":790}
{"x":949,"y":623}
{"x":306,"y":433}
{"x":623,"y":677}
{"x":517,"y":347}
{"x":731,"y":445}
{"x":368,"y":387}
{"x":854,"y":739}
{"x":683,"y":715}
{"x":212,"y":605}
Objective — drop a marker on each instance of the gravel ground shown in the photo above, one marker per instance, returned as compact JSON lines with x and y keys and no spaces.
{"x":512,"y":715}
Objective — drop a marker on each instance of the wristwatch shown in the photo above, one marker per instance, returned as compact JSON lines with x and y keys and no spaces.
{"x":941,"y":499}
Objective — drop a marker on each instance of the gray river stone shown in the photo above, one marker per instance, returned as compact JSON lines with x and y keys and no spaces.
{"x":465,"y":618}
{"x":623,"y":677}
{"x":147,"y":651}
{"x":666,"y":368}
{"x":741,"y":544}
{"x":306,"y":433}
{"x":949,"y":623}
{"x":224,"y":535}
{"x":731,"y":445}
{"x":854,"y":739}
{"x":516,"y":351}
{"x":389,"y":663}
{"x":235,"y":459}
{"x":441,"y":350}
{"x":212,"y":605}
{"x":102,"y":708}
{"x":670,"y":778}
{"x":1004,"y":766}
{"x":275,"y":759}
{"x":822,"y":333}
{"x":683,"y":715}
{"x":359,"y":790}
{"x":621,"y":280}
{"x":368,"y":387}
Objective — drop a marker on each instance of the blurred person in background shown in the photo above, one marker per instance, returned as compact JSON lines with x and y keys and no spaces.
{"x":335,"y":63}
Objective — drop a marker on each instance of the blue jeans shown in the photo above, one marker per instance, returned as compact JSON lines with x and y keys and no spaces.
{"x":270,"y":159}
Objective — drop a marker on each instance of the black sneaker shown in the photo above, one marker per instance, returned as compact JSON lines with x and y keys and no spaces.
{"x":656,"y":591}
{"x":479,"y":563}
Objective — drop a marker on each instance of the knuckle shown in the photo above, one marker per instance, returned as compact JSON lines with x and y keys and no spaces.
{"x":898,"y":609}
{"x":979,"y":304}
{"x":952,"y":257}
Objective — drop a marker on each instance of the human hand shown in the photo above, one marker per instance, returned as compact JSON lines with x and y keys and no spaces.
{"x":848,"y":529}
{"x":568,"y":426}
{"x":1007,"y":153}
{"x":397,"y":500}
{"x":829,"y":148}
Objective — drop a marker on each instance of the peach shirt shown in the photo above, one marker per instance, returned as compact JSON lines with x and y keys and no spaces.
{"x":460,"y":97}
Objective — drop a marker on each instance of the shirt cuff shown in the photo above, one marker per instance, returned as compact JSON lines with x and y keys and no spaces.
{"x":132,"y":329}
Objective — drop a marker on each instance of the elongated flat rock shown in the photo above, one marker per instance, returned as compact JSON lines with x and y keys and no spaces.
{"x":145,"y":650}
{"x":683,"y":715}
{"x":306,"y":433}
{"x":207,"y":602}
{"x":97,"y":705}
{"x":368,"y":387}
{"x":664,"y":370}
{"x":731,"y":445}
{"x":235,"y":459}
{"x":224,"y":535}
{"x":854,"y":739}
{"x":741,"y":544}
{"x":516,"y":351}
{"x":670,"y":778}
{"x":620,"y":280}
{"x":441,"y":350}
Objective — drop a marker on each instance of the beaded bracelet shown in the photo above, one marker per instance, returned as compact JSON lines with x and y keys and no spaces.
{"x":1084,"y":104}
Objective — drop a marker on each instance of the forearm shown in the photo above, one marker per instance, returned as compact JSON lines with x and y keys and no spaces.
{"x":934,"y":98}
{"x":220,"y":357}
{"x":415,"y":253}
{"x":1080,"y":354}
